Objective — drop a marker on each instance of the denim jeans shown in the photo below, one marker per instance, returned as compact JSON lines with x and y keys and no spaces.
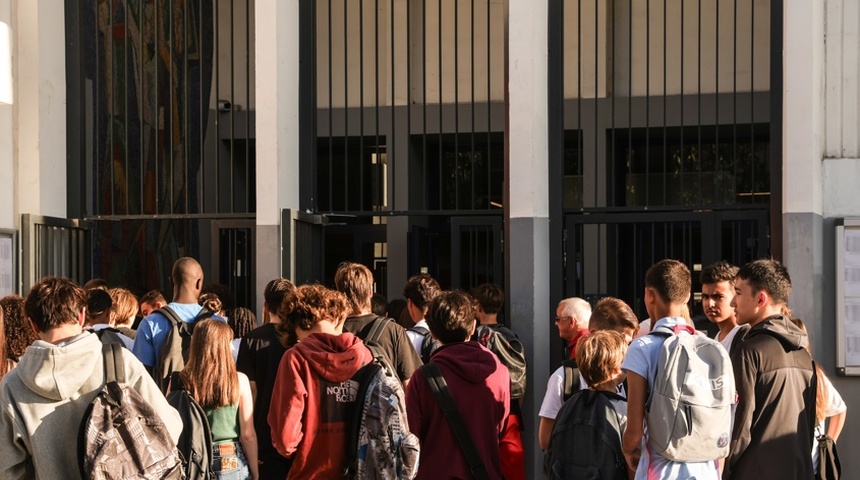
{"x":236,"y":463}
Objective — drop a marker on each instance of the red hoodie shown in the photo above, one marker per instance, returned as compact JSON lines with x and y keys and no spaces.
{"x":480,"y":385}
{"x":313,"y":400}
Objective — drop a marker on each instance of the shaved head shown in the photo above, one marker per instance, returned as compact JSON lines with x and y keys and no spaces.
{"x":186,"y":272}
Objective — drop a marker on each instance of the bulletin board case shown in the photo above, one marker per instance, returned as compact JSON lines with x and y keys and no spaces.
{"x":848,"y":297}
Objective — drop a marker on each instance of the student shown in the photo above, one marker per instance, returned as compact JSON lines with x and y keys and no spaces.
{"x":210,"y":377}
{"x":260,"y":353}
{"x":775,"y":417}
{"x":599,"y":356}
{"x":479,"y":384}
{"x":314,"y":396}
{"x":718,"y":290}
{"x":419,"y":291}
{"x":610,"y":314}
{"x":54,"y":383}
{"x":667,"y":291}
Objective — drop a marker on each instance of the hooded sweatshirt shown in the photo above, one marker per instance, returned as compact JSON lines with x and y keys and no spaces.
{"x":313,"y":399}
{"x":775,"y":417}
{"x":43,"y":403}
{"x":480,"y":385}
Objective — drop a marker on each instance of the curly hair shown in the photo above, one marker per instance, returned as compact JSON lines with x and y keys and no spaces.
{"x":242,"y":321}
{"x":18,"y":333}
{"x":210,"y":302}
{"x":308,"y":305}
{"x":451,"y":316}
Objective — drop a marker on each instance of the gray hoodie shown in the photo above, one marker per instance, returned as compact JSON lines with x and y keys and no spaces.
{"x":43,"y":402}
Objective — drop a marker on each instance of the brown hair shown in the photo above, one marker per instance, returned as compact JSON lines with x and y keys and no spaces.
{"x":612,"y":314}
{"x":17,"y":330}
{"x":275,"y":292}
{"x":717,"y":272}
{"x":356,"y":282}
{"x":152,"y":297}
{"x":598,"y":355}
{"x":210,"y":374}
{"x":451,"y":316}
{"x":124,"y":308}
{"x":671,"y":280}
{"x":421,"y":289}
{"x":768,"y":275}
{"x":53,"y":302}
{"x":210,"y":302}
{"x":306,"y":306}
{"x":490,"y":297}
{"x":4,"y":354}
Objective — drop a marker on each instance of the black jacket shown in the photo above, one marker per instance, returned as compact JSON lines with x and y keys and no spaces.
{"x":775,"y":417}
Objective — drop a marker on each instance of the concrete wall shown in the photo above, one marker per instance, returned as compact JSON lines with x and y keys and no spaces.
{"x":7,"y":146}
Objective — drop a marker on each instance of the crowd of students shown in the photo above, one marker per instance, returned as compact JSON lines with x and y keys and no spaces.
{"x":279,"y":398}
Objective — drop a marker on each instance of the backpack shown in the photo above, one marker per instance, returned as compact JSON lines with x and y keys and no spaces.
{"x":508,"y":348}
{"x":174,"y":351}
{"x":690,"y":415}
{"x":572,"y":383}
{"x":586,"y":439}
{"x":109,"y":335}
{"x":121,"y":435}
{"x":380,"y":443}
{"x":428,"y":343}
{"x":195,"y":442}
{"x":829,"y":465}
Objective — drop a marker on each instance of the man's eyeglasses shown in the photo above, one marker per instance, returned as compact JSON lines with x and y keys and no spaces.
{"x":561,"y":319}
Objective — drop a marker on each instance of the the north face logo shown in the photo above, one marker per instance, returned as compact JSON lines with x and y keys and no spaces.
{"x":344,"y":392}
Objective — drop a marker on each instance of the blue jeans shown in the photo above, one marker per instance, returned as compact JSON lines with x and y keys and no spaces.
{"x":232,"y":465}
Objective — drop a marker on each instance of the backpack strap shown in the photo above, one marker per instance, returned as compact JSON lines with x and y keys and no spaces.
{"x":376,"y":329}
{"x":114,"y":370}
{"x":572,"y":382}
{"x":419,"y":330}
{"x":440,"y":390}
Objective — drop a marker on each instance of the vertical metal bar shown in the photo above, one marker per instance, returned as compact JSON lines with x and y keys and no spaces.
{"x":752,"y":99}
{"x":389,"y":154}
{"x":97,"y":76}
{"x":233,"y":103}
{"x":156,"y":113}
{"x":457,"y":105}
{"x":647,"y":175}
{"x":580,"y":137}
{"x":408,"y":93}
{"x":441,"y":156}
{"x":376,"y":92}
{"x":202,"y":177}
{"x":630,"y":154}
{"x":361,"y":152}
{"x":248,"y":172}
{"x":217,"y":69}
{"x":472,"y":98}
{"x":331,"y":113}
{"x":125,"y":82}
{"x":665,"y":128}
{"x":170,"y":72}
{"x":424,"y":101}
{"x":699,"y":153}
{"x":489,"y":103}
{"x":717,"y":165}
{"x":111,"y":101}
{"x":735,"y":94}
{"x":140,"y":107}
{"x":186,"y":140}
{"x":611,"y":161}
{"x":596,"y":126}
{"x":683,"y":156}
{"x":345,"y":107}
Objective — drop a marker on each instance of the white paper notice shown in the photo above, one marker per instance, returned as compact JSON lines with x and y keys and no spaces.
{"x":852,"y":331}
{"x":852,"y":263}
{"x":7,"y":268}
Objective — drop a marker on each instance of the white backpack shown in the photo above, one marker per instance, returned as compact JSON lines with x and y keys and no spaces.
{"x":690,"y":415}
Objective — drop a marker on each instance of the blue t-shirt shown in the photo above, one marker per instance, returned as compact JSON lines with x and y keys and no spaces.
{"x":153,"y":330}
{"x":642,"y":359}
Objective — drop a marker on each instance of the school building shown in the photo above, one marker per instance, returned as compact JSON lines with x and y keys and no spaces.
{"x":555,"y":147}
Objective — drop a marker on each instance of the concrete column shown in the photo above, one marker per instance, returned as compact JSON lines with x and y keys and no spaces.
{"x":276,"y":48}
{"x":7,"y":145}
{"x":803,"y":151}
{"x":526,"y":202}
{"x":39,"y":113}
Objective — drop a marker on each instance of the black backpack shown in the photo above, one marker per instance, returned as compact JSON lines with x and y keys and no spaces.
{"x":428,"y":343}
{"x":505,"y":344}
{"x":121,"y":435}
{"x":571,"y":379}
{"x":195,"y":442}
{"x":586,"y":440}
{"x":174,"y":351}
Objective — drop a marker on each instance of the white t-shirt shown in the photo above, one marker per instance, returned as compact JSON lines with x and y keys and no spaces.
{"x":727,"y":342}
{"x":641,"y":359}
{"x":835,"y":406}
{"x":553,"y":399}
{"x":416,"y":338}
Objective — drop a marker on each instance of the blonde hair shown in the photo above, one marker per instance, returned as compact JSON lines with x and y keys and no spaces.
{"x":599,"y":355}
{"x":210,"y":374}
{"x":356,"y":282}
{"x":124,"y":307}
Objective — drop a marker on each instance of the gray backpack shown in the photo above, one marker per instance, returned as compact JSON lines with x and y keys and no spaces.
{"x":690,"y":415}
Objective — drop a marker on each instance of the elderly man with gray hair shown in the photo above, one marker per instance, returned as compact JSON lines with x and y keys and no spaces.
{"x":571,"y":318}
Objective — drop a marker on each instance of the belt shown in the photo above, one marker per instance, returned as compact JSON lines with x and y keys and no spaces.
{"x":222,"y":464}
{"x":222,"y":449}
